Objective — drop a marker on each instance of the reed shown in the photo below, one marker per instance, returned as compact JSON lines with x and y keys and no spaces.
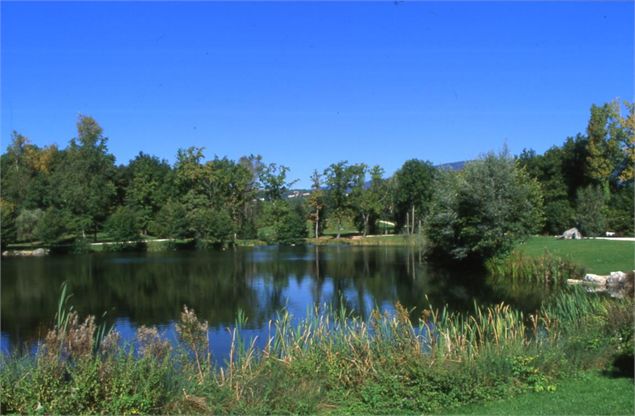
{"x":328,"y":360}
{"x":547,"y":269}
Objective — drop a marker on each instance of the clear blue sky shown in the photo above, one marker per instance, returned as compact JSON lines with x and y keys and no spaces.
{"x":308,"y":84}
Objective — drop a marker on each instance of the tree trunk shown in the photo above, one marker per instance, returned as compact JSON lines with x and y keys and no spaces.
{"x":366,"y":224}
{"x":317,"y":224}
{"x":412,"y":218}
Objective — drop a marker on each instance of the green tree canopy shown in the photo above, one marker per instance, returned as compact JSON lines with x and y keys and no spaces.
{"x":484,"y":209}
{"x":149,"y":188}
{"x":344,"y":184}
{"x":84,"y":179}
{"x":413,"y":189}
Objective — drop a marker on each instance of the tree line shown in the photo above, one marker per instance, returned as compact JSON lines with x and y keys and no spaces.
{"x":75,"y":193}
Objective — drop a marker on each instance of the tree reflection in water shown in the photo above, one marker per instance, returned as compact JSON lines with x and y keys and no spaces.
{"x":151,"y":288}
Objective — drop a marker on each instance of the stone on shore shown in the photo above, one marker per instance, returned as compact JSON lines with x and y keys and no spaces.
{"x":595,"y":279}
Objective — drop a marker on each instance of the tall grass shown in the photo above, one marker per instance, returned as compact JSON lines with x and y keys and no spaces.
{"x":329,"y":361}
{"x":547,"y":269}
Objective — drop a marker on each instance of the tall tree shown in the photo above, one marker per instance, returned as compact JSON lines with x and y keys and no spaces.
{"x":548,"y":170}
{"x":591,"y":210}
{"x":84,"y":179}
{"x":344,"y":183}
{"x":149,"y":188}
{"x":25,"y":173}
{"x":8,"y":228}
{"x":611,"y":146}
{"x":372,"y":200}
{"x":316,"y":202}
{"x":274,"y":182}
{"x":626,"y":139}
{"x":413,"y":193}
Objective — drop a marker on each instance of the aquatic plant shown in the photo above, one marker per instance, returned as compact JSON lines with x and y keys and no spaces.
{"x":547,"y":269}
{"x":331,"y":360}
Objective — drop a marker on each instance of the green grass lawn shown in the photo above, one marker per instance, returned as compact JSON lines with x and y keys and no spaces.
{"x":590,"y":394}
{"x":596,"y":256}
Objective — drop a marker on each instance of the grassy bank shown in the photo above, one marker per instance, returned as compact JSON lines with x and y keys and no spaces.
{"x":370,"y":240}
{"x":330,"y":362}
{"x":590,"y":393}
{"x":596,"y":256}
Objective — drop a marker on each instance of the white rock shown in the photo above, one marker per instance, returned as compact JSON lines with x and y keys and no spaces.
{"x":616,"y":278}
{"x":595,"y":279}
{"x":572,"y":234}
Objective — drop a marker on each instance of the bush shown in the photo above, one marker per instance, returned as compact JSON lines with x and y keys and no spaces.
{"x":27,"y":223}
{"x":559,"y":216}
{"x":171,"y":221}
{"x":283,"y":223}
{"x":292,"y":228}
{"x":123,"y":225}
{"x":212,"y":225}
{"x":52,"y":226}
{"x":484,"y":210}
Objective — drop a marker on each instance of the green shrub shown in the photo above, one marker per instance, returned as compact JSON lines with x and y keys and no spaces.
{"x":52,"y":226}
{"x":483,"y":210}
{"x":123,"y":225}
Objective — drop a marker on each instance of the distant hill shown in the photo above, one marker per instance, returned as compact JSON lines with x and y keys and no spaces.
{"x":452,"y":165}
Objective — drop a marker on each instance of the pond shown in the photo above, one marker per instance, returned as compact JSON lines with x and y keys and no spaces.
{"x":135,"y":289}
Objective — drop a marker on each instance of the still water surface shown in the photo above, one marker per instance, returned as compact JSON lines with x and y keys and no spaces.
{"x":151,"y":288}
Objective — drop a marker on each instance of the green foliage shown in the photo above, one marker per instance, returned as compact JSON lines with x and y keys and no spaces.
{"x":344,"y":184}
{"x":83,"y":182}
{"x":485,"y":209}
{"x":123,"y":224}
{"x":413,"y":189}
{"x":8,"y":230}
{"x":587,"y":393}
{"x":171,"y":221}
{"x":525,"y":371}
{"x":211,"y":225}
{"x":221,"y":185}
{"x":292,"y":228}
{"x":559,"y":216}
{"x":52,"y":226}
{"x":283,"y":223}
{"x":149,"y":188}
{"x":591,"y":211}
{"x":316,"y":203}
{"x":274,"y":181}
{"x":545,"y":269}
{"x":329,"y":360}
{"x":372,"y":201}
{"x":620,"y":211}
{"x":602,"y":159}
{"x":27,"y":224}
